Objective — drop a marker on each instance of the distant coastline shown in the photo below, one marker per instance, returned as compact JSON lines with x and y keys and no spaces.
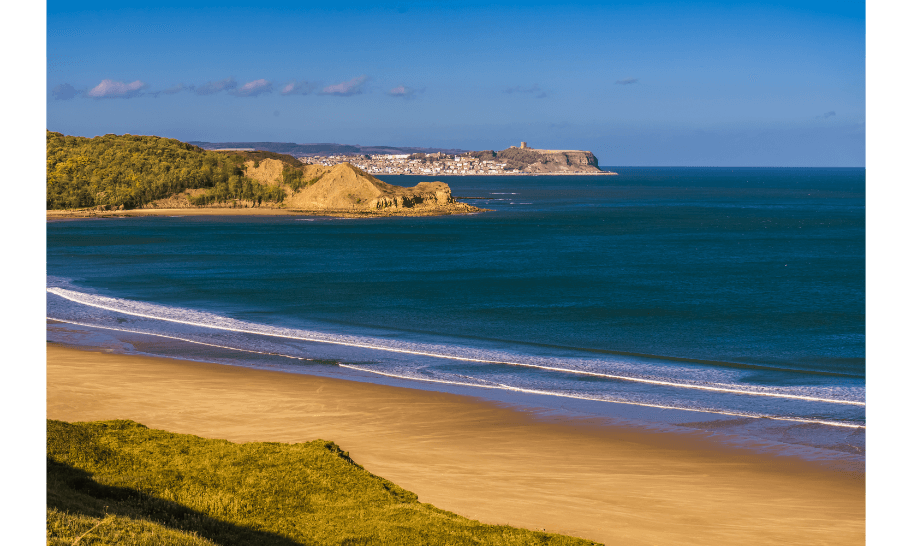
{"x":387,"y":160}
{"x":603,"y":173}
{"x":318,"y":149}
{"x":111,"y":175}
{"x":108,"y":176}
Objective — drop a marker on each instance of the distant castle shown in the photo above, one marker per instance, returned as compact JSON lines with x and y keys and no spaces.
{"x":523,"y":145}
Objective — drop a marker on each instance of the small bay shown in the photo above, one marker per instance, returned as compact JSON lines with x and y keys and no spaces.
{"x":714,"y":291}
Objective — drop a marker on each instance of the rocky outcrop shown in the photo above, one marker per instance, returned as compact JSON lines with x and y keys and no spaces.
{"x":425,"y":194}
{"x":531,"y":160}
{"x":346,"y":188}
{"x":557,"y":161}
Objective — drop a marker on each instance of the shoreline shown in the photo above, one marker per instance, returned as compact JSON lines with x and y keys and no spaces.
{"x":479,"y":458}
{"x":58,"y":215}
{"x":603,"y":173}
{"x":834,"y":444}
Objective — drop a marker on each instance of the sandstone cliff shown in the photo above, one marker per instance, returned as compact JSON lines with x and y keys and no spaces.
{"x":344,"y":188}
{"x":266,"y":171}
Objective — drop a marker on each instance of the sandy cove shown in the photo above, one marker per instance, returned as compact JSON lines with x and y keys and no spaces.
{"x":478,"y":459}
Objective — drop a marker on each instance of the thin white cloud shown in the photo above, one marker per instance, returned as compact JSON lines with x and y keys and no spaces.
{"x":295,"y":87}
{"x":211,"y":88}
{"x":346,"y":89}
{"x":109,"y":89}
{"x":403,"y":92}
{"x":254,"y":88}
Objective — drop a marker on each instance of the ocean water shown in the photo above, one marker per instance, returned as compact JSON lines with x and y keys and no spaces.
{"x":711,"y":298}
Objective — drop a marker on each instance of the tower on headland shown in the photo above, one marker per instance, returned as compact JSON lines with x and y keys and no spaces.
{"x":523,"y":145}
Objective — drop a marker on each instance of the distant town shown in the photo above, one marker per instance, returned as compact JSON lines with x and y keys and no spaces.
{"x":515,"y":160}
{"x":429,"y":164}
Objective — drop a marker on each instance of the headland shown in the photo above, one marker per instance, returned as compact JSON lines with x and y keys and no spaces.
{"x":128,"y":175}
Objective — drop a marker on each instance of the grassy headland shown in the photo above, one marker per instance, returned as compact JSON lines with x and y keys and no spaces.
{"x":119,"y":482}
{"x":117,"y":173}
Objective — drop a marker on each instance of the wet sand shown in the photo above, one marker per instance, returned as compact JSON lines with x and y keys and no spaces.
{"x":481,"y":460}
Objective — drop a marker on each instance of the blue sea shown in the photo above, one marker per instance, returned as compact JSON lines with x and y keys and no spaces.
{"x":727,"y":301}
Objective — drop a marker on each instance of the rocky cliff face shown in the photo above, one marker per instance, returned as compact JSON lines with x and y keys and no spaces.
{"x":558,"y":161}
{"x":542,"y":161}
{"x":345,"y":188}
{"x":425,"y":194}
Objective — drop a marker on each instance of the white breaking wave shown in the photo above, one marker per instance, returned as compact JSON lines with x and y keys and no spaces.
{"x":128,"y":331}
{"x":208,"y":320}
{"x":481,"y":383}
{"x":501,"y":386}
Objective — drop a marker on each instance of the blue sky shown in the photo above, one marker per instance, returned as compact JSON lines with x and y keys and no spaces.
{"x":638,"y":83}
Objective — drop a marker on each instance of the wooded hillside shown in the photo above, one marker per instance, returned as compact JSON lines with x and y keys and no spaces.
{"x":131,"y":171}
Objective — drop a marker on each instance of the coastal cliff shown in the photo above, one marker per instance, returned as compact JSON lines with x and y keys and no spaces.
{"x":558,"y":161}
{"x":345,"y":188}
{"x":389,"y":160}
{"x":115,"y":174}
{"x":530,"y":160}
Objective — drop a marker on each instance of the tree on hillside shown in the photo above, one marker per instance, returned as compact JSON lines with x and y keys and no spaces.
{"x":132,"y":171}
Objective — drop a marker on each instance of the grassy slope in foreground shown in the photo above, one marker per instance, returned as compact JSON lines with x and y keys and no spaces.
{"x":118,"y":482}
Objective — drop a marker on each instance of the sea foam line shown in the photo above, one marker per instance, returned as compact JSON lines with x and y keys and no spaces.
{"x":501,"y":386}
{"x":68,"y":321}
{"x":251,"y":328}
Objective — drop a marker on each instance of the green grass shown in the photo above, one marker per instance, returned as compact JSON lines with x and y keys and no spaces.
{"x":119,"y":482}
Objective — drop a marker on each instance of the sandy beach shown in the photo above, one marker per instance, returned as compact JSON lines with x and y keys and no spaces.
{"x":196,"y":211}
{"x":478,"y":459}
{"x":60,"y":215}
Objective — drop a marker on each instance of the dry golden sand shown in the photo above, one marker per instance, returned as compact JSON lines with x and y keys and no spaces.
{"x":480,"y":460}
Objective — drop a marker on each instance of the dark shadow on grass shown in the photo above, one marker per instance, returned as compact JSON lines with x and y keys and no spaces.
{"x":73,"y":490}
